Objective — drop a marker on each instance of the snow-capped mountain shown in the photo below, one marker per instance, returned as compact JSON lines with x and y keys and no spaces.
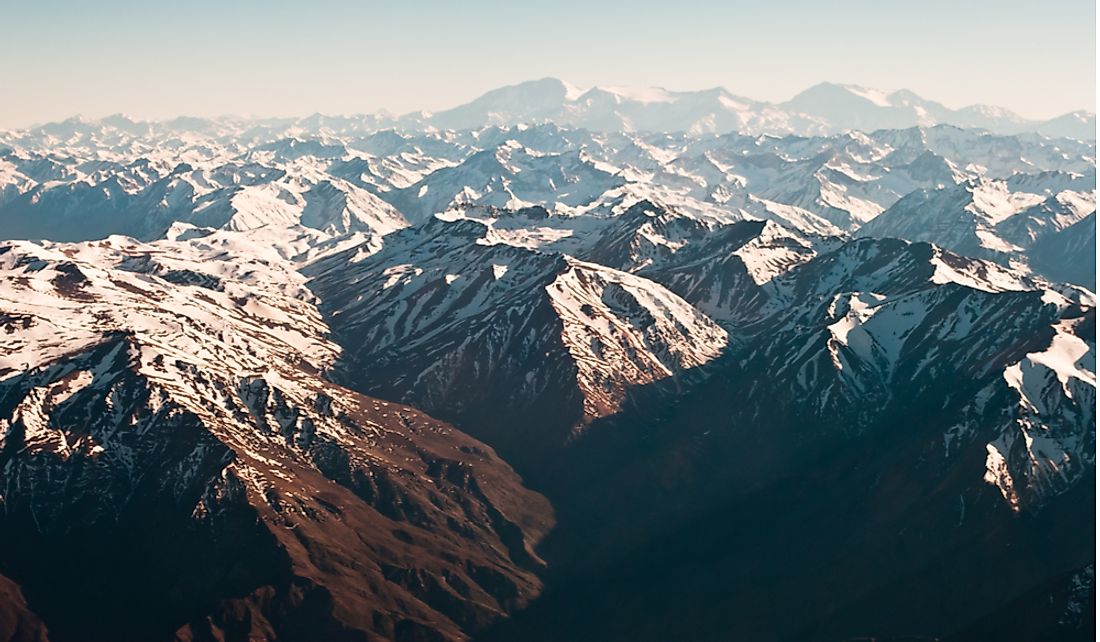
{"x":1076,"y":124}
{"x":907,"y":398}
{"x":375,"y":182}
{"x":255,"y":374}
{"x":720,"y":269}
{"x":618,"y":109}
{"x":236,"y":196}
{"x":448,"y":317}
{"x":864,"y":109}
{"x":150,"y":388}
{"x":508,"y":175}
{"x":984,"y":218}
{"x":821,"y":109}
{"x":913,"y":317}
{"x":1068,"y":255}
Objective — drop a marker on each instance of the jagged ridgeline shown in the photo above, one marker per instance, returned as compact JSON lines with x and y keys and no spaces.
{"x":554,"y":365}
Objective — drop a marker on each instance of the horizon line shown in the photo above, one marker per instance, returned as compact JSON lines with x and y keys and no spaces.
{"x":577,"y":92}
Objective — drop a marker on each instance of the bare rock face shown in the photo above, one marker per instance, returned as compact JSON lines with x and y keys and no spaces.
{"x":173,"y":469}
{"x":17,"y":622}
{"x":525,"y":348}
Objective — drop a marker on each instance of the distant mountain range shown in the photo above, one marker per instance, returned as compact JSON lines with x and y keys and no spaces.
{"x":826,"y":108}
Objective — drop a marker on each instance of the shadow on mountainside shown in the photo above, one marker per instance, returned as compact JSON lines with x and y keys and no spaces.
{"x":686,"y":521}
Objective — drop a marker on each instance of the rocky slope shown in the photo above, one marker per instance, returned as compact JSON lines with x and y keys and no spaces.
{"x":500,"y":337}
{"x":988,"y":219}
{"x":807,"y":457}
{"x":165,"y":424}
{"x":17,"y":622}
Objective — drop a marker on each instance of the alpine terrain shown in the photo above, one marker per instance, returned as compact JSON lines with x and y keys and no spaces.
{"x":556,"y":364}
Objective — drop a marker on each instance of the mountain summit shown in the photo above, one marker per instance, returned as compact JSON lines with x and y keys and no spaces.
{"x":825,"y":108}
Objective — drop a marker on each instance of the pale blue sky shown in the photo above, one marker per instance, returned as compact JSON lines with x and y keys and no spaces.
{"x":155,"y":59}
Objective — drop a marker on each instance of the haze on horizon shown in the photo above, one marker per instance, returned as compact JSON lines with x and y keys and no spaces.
{"x":275,"y":58}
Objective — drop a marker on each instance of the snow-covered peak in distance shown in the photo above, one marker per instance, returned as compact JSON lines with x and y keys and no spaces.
{"x":532,"y":101}
{"x":821,"y":109}
{"x":825,"y":108}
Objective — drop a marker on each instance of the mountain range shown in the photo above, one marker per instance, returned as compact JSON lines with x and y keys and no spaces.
{"x":553,"y":365}
{"x":826,"y":108}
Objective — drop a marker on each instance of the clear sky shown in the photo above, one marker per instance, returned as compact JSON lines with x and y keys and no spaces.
{"x":159,"y":59}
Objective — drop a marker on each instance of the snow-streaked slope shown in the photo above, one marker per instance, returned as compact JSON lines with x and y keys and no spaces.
{"x":1045,"y":444}
{"x":982,"y":218}
{"x":882,"y":326}
{"x":719,"y":268}
{"x":508,"y":175}
{"x":508,"y":339}
{"x":1068,"y":255}
{"x":144,"y":375}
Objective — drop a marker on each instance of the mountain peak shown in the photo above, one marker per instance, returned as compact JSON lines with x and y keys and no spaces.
{"x":644,"y":95}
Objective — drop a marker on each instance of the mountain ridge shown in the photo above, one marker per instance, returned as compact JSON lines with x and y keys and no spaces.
{"x":706,"y":359}
{"x":824,"y":108}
